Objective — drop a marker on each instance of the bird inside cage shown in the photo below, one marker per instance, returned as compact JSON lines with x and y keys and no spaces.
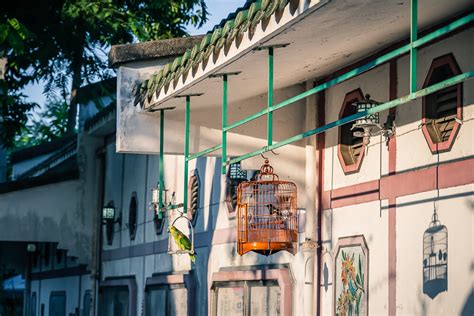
{"x":267,"y":214}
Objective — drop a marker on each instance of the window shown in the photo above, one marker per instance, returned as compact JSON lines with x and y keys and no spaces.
{"x":132,"y":216}
{"x":167,"y":300}
{"x":442,"y":110}
{"x":169,"y":294}
{"x":259,"y":298}
{"x":193,"y":196}
{"x":86,"y":305}
{"x":351,"y":148}
{"x":114,"y":301}
{"x":57,"y":304}
{"x":33,"y":304}
{"x":260,"y":291}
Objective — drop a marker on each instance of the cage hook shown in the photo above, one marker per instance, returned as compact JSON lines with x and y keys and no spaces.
{"x":261,"y":154}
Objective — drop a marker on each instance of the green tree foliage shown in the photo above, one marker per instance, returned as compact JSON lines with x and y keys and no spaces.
{"x":13,"y":104}
{"x":62,"y":42}
{"x":49,"y":124}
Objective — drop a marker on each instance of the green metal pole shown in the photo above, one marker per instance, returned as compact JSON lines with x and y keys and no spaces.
{"x":224,"y":124}
{"x":382,"y":107}
{"x":204,"y":152}
{"x":161,"y":163}
{"x":186,"y":153}
{"x":413,"y":38}
{"x":355,"y":72}
{"x":270,"y":97}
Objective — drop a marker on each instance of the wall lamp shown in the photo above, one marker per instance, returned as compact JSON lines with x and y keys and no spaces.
{"x":109,"y":220}
{"x":370,"y":125}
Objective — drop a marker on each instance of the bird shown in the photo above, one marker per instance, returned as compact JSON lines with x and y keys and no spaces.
{"x":277,"y":212}
{"x":182,"y":241}
{"x":273,"y":210}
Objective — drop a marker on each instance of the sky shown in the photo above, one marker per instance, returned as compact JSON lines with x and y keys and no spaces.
{"x":218,"y":10}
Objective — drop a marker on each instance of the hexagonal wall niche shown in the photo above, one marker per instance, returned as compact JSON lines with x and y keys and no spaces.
{"x":442,"y":110}
{"x":350,"y":150}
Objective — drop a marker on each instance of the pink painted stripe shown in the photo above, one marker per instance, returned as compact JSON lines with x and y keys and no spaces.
{"x":408,"y":183}
{"x":461,"y":174}
{"x":355,"y":194}
{"x":449,"y":175}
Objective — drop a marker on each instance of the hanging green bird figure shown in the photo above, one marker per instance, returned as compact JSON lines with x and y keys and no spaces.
{"x":182,"y":241}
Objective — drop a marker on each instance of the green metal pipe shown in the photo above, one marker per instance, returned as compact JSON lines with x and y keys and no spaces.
{"x":186,"y":153}
{"x":161,"y":163}
{"x":224,"y":123}
{"x":355,"y":72}
{"x":382,"y":107}
{"x":270,"y":97}
{"x":413,"y":38}
{"x":204,"y":152}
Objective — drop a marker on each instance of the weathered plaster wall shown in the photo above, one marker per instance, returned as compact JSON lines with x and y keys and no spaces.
{"x":46,"y":213}
{"x":74,"y":287}
{"x":138,"y":131}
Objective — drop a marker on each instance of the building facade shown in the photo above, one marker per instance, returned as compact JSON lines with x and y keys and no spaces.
{"x":378,"y":210}
{"x":373,"y":213}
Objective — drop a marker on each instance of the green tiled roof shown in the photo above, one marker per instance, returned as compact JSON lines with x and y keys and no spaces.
{"x":223,"y":34}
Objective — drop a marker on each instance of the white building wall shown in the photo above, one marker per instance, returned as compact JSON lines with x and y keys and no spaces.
{"x":409,"y":115}
{"x":413,"y":212}
{"x":371,"y":221}
{"x":454,"y":208}
{"x":74,"y":287}
{"x":48,"y":213}
{"x":375,"y":83}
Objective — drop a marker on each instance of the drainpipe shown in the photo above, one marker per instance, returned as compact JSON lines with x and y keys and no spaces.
{"x":309,"y":245}
{"x":78,"y":309}
{"x":97,"y":240}
{"x":27,"y":290}
{"x":319,"y":163}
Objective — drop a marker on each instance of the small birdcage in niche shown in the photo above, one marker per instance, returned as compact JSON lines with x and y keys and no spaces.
{"x":267,"y":215}
{"x":435,"y":258}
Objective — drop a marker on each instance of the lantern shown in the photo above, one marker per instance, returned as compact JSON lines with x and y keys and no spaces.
{"x":267,"y":216}
{"x":435,"y":258}
{"x":108,"y":212}
{"x":368,"y":125}
{"x":108,"y":219}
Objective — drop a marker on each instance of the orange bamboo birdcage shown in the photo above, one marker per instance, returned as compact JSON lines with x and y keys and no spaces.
{"x":267,"y":215}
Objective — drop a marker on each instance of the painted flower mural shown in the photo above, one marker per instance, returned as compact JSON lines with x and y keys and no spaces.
{"x":349,"y":300}
{"x":351,"y":278}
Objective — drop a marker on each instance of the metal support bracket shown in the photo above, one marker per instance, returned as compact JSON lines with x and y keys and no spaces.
{"x":186,"y":145}
{"x":265,"y":47}
{"x":224,"y":76}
